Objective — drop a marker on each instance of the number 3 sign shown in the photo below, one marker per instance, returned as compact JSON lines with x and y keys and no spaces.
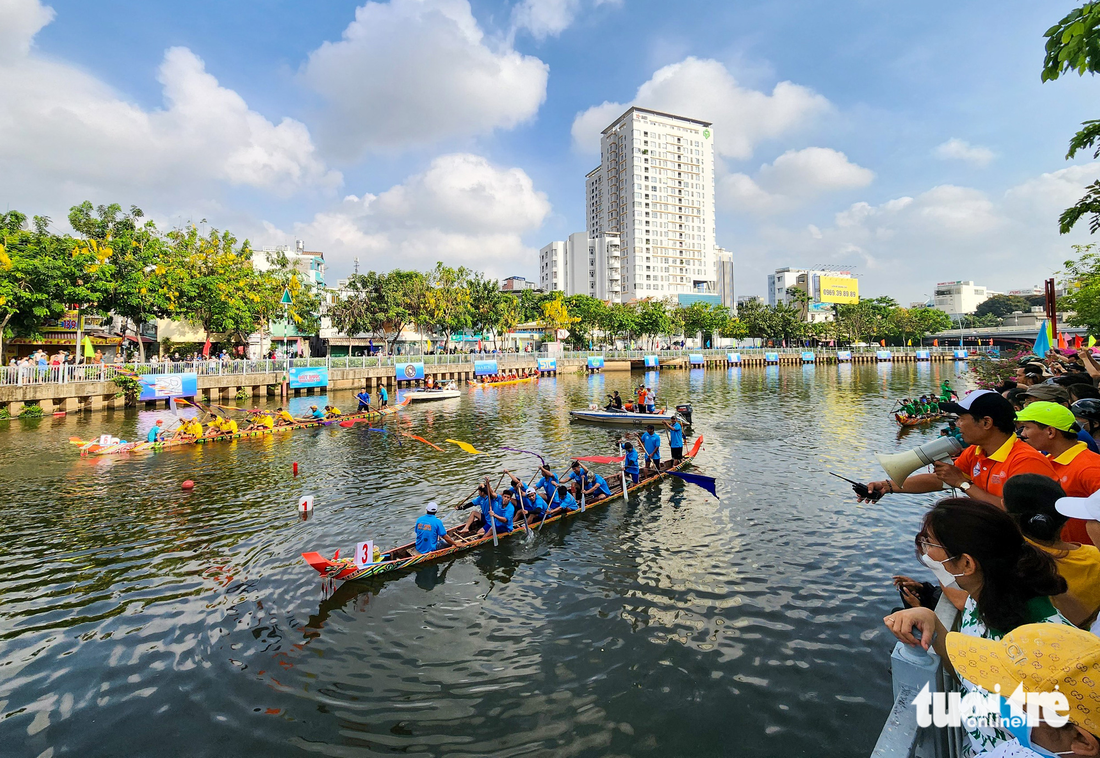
{"x":364,"y":554}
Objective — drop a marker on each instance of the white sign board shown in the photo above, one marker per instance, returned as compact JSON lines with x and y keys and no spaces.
{"x":364,"y":554}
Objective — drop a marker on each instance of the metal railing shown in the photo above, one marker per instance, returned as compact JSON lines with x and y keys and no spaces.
{"x":911,"y":668}
{"x":101,"y":372}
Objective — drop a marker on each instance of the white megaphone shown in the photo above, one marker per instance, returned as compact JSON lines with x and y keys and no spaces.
{"x":900,"y":465}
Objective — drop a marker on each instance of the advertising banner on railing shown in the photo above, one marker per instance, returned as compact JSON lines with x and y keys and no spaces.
{"x":164,"y":386}
{"x":302,"y":377}
{"x":733,"y":357}
{"x":771,"y":357}
{"x":595,"y":361}
{"x":652,"y":361}
{"x":485,"y":368}
{"x":409,"y":372}
{"x":883,"y":355}
{"x":924,"y":355}
{"x":807,"y":357}
{"x":695,"y":359}
{"x":961,"y":355}
{"x":548,"y":364}
{"x":844,"y":355}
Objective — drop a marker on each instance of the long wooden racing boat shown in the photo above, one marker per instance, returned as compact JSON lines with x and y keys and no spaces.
{"x":910,"y":421}
{"x":403,"y":557}
{"x":148,"y":447}
{"x":525,"y":379}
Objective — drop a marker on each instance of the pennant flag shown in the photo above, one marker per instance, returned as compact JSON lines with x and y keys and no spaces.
{"x":935,"y":343}
{"x":882,"y":343}
{"x":1092,"y":340}
{"x":706,"y":482}
{"x":301,"y":351}
{"x":1062,"y":341}
{"x":206,"y":349}
{"x":1077,"y":342}
{"x":421,"y":439}
{"x":89,"y":351}
{"x":1042,"y":341}
{"x":910,"y":343}
{"x":601,"y":459}
{"x":466,"y":446}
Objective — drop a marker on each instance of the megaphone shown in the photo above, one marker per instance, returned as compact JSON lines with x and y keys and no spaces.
{"x":900,"y":465}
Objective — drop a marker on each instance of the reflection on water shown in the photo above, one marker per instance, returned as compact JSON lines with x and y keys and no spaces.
{"x":672,"y":623}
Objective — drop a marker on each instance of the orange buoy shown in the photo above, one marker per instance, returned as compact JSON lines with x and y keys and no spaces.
{"x":188,"y":484}
{"x":295,"y":468}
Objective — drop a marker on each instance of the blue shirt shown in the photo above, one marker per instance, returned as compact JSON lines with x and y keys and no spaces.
{"x":152,"y":436}
{"x":483,"y":502}
{"x":429,"y":529}
{"x":676,"y":435}
{"x":1083,"y":436}
{"x":534,"y":503}
{"x":631,"y":462}
{"x":651,"y":441}
{"x":504,"y":511}
{"x":568,"y":502}
{"x":573,"y":476}
{"x":382,"y":393}
{"x":318,"y":413}
{"x":601,"y":483}
{"x":363,"y":397}
{"x":547,"y":484}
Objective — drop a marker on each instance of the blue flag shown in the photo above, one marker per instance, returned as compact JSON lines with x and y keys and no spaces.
{"x":706,"y":482}
{"x":1042,"y":341}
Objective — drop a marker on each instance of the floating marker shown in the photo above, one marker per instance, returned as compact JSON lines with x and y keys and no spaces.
{"x":305,"y":504}
{"x":188,"y":484}
{"x":295,"y":468}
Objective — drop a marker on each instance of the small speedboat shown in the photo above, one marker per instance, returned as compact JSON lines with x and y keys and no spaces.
{"x":598,"y":415}
{"x":422,"y":394}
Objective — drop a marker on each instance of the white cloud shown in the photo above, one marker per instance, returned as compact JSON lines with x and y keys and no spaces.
{"x":462,"y":210}
{"x":65,"y":136}
{"x":704,"y":89}
{"x":544,"y":18}
{"x":20,"y":21}
{"x":794,"y":178}
{"x":961,"y":150}
{"x":413,"y":72}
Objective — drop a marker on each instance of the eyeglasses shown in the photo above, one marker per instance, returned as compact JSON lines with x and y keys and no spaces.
{"x":924,"y":544}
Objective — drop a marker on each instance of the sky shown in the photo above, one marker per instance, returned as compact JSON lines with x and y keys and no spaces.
{"x":913,"y":143}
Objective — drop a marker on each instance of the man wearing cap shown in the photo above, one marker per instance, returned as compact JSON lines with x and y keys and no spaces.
{"x":1051,"y":428}
{"x":987,"y":423}
{"x":430,"y":530}
{"x":1038,"y":659}
{"x":1055,"y":393}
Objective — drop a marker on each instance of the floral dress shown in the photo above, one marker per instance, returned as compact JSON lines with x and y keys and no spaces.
{"x":1040,"y":611}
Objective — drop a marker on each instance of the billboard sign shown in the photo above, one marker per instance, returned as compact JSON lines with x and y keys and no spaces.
{"x":302,"y":377}
{"x":409,"y":372}
{"x":771,"y":357}
{"x":164,"y":386}
{"x":844,"y":355}
{"x":733,"y":357}
{"x":595,"y":361}
{"x":485,"y":368}
{"x":883,"y":355}
{"x":839,"y":289}
{"x":695,"y":359}
{"x":924,"y":355}
{"x":548,"y":364}
{"x":652,"y":361}
{"x":807,"y":357}
{"x":961,"y":355}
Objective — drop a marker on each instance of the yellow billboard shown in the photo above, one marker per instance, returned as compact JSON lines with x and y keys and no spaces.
{"x":839,"y":289}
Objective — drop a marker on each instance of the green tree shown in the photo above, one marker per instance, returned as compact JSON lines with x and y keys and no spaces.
{"x":652,"y":319}
{"x":446,"y":300}
{"x":1002,"y":305}
{"x":589,"y":313}
{"x":1073,"y":45}
{"x":381,"y":305}
{"x":1082,"y":277}
{"x":35,"y":267}
{"x":620,"y":321}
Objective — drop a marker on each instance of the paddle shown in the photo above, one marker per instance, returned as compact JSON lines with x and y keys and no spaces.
{"x":466,"y":446}
{"x":421,"y":439}
{"x":623,"y":451}
{"x":549,"y":507}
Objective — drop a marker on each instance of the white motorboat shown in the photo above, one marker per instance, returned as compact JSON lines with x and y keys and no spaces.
{"x":600,"y":416}
{"x":423,"y":394}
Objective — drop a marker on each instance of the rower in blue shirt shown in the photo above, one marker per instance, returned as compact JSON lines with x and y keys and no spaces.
{"x":565,"y":499}
{"x":528,"y":499}
{"x":548,"y":483}
{"x":383,"y":397}
{"x":364,"y":400}
{"x":504,"y":510}
{"x":429,"y":531}
{"x":576,"y":473}
{"x":316,"y":414}
{"x":154,"y":433}
{"x":484,"y":504}
{"x":675,"y":440}
{"x":597,"y":488}
{"x":630,"y":465}
{"x":651,"y":442}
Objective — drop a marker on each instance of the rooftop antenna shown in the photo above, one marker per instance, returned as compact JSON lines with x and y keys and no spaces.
{"x":357,"y":267}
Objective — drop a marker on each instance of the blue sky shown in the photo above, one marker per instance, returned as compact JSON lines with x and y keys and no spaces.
{"x":914,"y":142}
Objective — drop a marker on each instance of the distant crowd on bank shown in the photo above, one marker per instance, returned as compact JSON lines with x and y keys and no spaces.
{"x":1015,"y":550}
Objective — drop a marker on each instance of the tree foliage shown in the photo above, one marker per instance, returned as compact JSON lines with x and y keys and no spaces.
{"x":1002,"y":305}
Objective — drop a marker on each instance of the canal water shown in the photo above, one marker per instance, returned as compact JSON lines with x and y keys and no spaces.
{"x":137,"y":619}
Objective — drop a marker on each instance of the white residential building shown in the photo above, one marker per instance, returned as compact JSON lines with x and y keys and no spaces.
{"x":583,"y":265}
{"x":654,"y":189}
{"x":958,"y":298}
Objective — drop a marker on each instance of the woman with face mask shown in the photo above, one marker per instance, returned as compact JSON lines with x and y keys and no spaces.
{"x":979,"y":548}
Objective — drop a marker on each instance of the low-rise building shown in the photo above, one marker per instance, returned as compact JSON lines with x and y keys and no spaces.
{"x":961,"y":297}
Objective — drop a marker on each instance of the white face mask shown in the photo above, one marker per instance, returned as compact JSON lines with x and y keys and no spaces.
{"x":1028,"y":743}
{"x":943,"y":576}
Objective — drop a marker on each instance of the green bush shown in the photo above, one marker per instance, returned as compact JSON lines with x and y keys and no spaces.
{"x":131,"y":389}
{"x":5,"y":414}
{"x":31,"y":411}
{"x":242,"y":394}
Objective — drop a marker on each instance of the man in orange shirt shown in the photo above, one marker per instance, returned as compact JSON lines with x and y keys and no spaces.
{"x":987,"y":423}
{"x":1051,"y":428}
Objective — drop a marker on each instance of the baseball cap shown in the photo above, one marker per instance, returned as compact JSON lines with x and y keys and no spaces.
{"x":1052,"y":392}
{"x":982,"y":403}
{"x":1049,"y":414}
{"x":1042,"y":658}
{"x":1087,"y":508}
{"x":432,"y":507}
